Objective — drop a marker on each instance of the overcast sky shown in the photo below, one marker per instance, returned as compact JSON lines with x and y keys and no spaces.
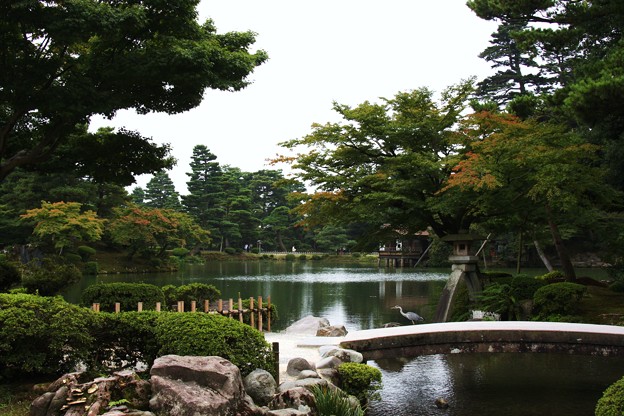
{"x":320,"y":51}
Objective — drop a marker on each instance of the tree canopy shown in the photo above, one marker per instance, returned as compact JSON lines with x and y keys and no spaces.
{"x":62,"y":62}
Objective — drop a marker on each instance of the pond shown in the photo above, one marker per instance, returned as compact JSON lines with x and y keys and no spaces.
{"x":361,"y":298}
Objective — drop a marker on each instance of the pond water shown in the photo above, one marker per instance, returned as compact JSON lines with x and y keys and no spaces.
{"x":361,"y":297}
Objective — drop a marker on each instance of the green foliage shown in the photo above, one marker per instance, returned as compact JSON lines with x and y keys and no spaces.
{"x":207,"y":334}
{"x":558,"y":298}
{"x":62,"y":224}
{"x":199,"y":292}
{"x":360,"y":380}
{"x":612,"y":401}
{"x":316,"y":257}
{"x":303,"y":257}
{"x":9,"y":275}
{"x":42,"y":335}
{"x":180,"y":252}
{"x":438,"y":254}
{"x":86,"y":252}
{"x":334,"y":402}
{"x":290,"y":257}
{"x":73,"y":258}
{"x":499,"y":298}
{"x":551,"y":276}
{"x":524,"y":287}
{"x":91,"y":268}
{"x":124,"y":340}
{"x":50,"y":276}
{"x":230,"y":250}
{"x":127,"y":294}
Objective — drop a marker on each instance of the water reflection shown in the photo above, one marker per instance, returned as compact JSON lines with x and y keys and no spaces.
{"x":355,"y":296}
{"x":495,"y":384}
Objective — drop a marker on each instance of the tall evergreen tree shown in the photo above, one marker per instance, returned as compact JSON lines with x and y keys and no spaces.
{"x":160,"y":192}
{"x":205,"y":191}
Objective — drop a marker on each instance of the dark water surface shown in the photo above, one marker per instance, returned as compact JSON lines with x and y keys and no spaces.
{"x":361,"y":298}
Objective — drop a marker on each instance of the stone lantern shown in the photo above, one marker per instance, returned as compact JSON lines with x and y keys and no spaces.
{"x":464,"y":266}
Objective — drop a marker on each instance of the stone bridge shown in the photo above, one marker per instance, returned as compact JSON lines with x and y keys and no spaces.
{"x":487,"y":336}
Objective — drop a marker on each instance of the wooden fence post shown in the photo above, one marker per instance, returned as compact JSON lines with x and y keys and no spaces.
{"x":240,"y":309}
{"x":140,"y":307}
{"x":206,"y":305}
{"x":180,"y":306}
{"x":220,"y":306}
{"x":96,"y":307}
{"x":231,"y":308}
{"x":117,"y":307}
{"x":260,"y":313}
{"x":252,"y":317}
{"x":276,"y":360}
{"x":193,"y":306}
{"x":157,"y":306}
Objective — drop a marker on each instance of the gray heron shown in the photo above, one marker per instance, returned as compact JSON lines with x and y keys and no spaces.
{"x":412,"y":316}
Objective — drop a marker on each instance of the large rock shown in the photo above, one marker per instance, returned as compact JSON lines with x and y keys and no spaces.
{"x":297,"y":365}
{"x":344,"y":355}
{"x":295,"y":398}
{"x":261,"y":386}
{"x":198,"y":386}
{"x":331,"y":331}
{"x":307,"y":325}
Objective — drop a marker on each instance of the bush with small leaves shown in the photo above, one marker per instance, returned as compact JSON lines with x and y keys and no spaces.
{"x":127,"y":294}
{"x":91,"y":268}
{"x":558,"y":299}
{"x":180,"y":252}
{"x":612,"y":401}
{"x":207,"y":334}
{"x":290,"y":257}
{"x":198,"y":292}
{"x":524,"y":287}
{"x":360,"y":380}
{"x":50,"y":276}
{"x":42,"y":335}
{"x":553,"y":276}
{"x":303,"y":257}
{"x":124,"y":340}
{"x":230,"y":250}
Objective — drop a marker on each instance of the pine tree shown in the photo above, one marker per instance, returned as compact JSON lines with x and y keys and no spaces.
{"x":160,"y":193}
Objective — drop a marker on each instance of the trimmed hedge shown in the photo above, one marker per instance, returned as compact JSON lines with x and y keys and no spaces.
{"x":127,"y":294}
{"x":193,"y":291}
{"x":48,"y":336}
{"x":42,"y":335}
{"x":207,"y":334}
{"x":612,"y":401}
{"x":558,"y":299}
{"x":359,"y":380}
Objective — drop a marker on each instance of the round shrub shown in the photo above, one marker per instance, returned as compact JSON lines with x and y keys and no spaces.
{"x":199,"y":292}
{"x":203,"y":334}
{"x":612,"y":401}
{"x":558,"y":299}
{"x":50,"y":276}
{"x":9,"y":275}
{"x":617,"y":287}
{"x":127,"y":294}
{"x":124,"y":340}
{"x":86,"y":252}
{"x":359,"y":380}
{"x":316,"y":257}
{"x":290,"y":257}
{"x":230,"y":250}
{"x":303,"y":257}
{"x":42,"y":335}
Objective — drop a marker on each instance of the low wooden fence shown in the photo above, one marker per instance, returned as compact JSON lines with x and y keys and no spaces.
{"x":256,"y":309}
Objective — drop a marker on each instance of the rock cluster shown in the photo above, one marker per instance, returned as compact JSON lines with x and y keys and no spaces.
{"x":203,"y":386}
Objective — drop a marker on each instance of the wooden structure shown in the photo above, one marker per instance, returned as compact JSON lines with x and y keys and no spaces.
{"x":255,"y":313}
{"x":403,"y":251}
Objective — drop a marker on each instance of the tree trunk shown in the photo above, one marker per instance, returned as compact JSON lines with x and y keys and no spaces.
{"x":542,"y":256}
{"x":280,"y":242}
{"x":564,"y":257}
